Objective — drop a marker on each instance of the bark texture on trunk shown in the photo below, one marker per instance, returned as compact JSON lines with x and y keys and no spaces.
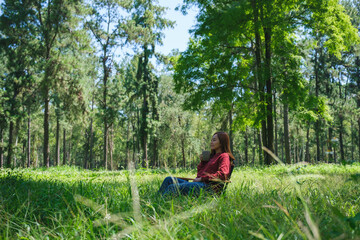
{"x":276,"y":127}
{"x":46,"y":149}
{"x":317,"y":123}
{"x":287,"y":134}
{"x":358,"y":99}
{"x":260,"y":148}
{"x":230,"y":128}
{"x":10,"y":145}
{"x":330,"y":148}
{"x":64,"y":147}
{"x":268,"y":79}
{"x":111,"y":146}
{"x":262,"y":137}
{"x":57,"y":145}
{"x":246,"y":138}
{"x":28,"y":153}
{"x":91,"y":145}
{"x":341,"y":137}
{"x":1,"y":148}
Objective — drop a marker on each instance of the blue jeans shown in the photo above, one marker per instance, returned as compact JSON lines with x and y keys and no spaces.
{"x":175,"y":186}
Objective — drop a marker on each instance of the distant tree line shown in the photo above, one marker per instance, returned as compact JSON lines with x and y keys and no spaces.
{"x":280,"y":74}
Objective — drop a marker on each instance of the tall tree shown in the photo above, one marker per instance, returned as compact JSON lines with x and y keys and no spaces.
{"x":105,"y":24}
{"x":56,"y":18}
{"x":19,"y":44}
{"x":2,"y":113}
{"x":145,"y":30}
{"x":258,"y":25}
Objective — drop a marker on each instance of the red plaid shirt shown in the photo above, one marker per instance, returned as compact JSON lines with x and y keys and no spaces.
{"x":217,"y":167}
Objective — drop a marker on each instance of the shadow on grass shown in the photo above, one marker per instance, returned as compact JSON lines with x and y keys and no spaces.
{"x":49,"y":204}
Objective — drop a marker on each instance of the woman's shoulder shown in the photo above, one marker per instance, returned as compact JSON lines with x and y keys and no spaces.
{"x":224,"y":155}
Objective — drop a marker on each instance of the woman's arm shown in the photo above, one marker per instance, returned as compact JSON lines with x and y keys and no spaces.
{"x":201,"y":165}
{"x":221,"y":172}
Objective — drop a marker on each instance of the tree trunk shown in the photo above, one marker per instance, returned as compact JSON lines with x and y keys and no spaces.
{"x":155,"y":154}
{"x":16,"y":135}
{"x":282,"y":148}
{"x":253,"y":148}
{"x":156,"y":118}
{"x":259,"y":77}
{"x":142,"y":75}
{"x":86,"y":149}
{"x":269,"y":115}
{"x":46,"y":149}
{"x":287,"y":133}
{"x":317,"y":129}
{"x":1,"y":147}
{"x":182,"y":142}
{"x":145,"y":113}
{"x":57,"y":145}
{"x":64,"y":147}
{"x":90,"y":161}
{"x":69,"y":149}
{"x":335,"y":153}
{"x":246,"y":146}
{"x":341,"y":140}
{"x":301,"y":154}
{"x":24,"y":153}
{"x":10,"y":145}
{"x":282,"y":139}
{"x":358,"y":99}
{"x":317,"y":123}
{"x":359,"y":138}
{"x":111,"y":146}
{"x":135,"y":138}
{"x":134,"y":152}
{"x":330,"y":148}
{"x":298,"y":147}
{"x":28,"y":153}
{"x":183,"y":151}
{"x":105,"y":79}
{"x":127,"y":160}
{"x":36,"y":159}
{"x":260,"y":148}
{"x":91,"y":145}
{"x":307,"y":145}
{"x":145,"y":163}
{"x":230,"y":128}
{"x":105,"y":150}
{"x":352,"y":141}
{"x":276,"y":127}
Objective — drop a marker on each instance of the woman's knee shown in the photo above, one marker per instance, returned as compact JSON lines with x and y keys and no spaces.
{"x":170,"y":179}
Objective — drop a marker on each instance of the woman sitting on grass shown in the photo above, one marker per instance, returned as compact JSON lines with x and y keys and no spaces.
{"x":216,"y":169}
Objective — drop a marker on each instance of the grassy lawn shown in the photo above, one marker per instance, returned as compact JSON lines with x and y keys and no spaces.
{"x":277,"y":202}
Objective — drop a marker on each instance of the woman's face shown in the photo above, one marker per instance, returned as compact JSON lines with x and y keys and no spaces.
{"x":215,"y":144}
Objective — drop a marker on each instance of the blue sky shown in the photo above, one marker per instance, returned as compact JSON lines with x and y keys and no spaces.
{"x":178,"y":37}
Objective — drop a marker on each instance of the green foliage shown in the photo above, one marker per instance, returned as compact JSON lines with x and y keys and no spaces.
{"x":329,"y":18}
{"x":218,"y":64}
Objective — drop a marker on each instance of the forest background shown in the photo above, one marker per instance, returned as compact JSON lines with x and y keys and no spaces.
{"x":83,"y":83}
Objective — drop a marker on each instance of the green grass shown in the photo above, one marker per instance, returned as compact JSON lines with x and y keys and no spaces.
{"x":277,"y":202}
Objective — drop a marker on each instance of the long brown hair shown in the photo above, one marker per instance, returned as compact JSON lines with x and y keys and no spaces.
{"x":225,"y":144}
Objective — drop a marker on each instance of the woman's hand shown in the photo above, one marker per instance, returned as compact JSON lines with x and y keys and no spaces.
{"x":198,"y":179}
